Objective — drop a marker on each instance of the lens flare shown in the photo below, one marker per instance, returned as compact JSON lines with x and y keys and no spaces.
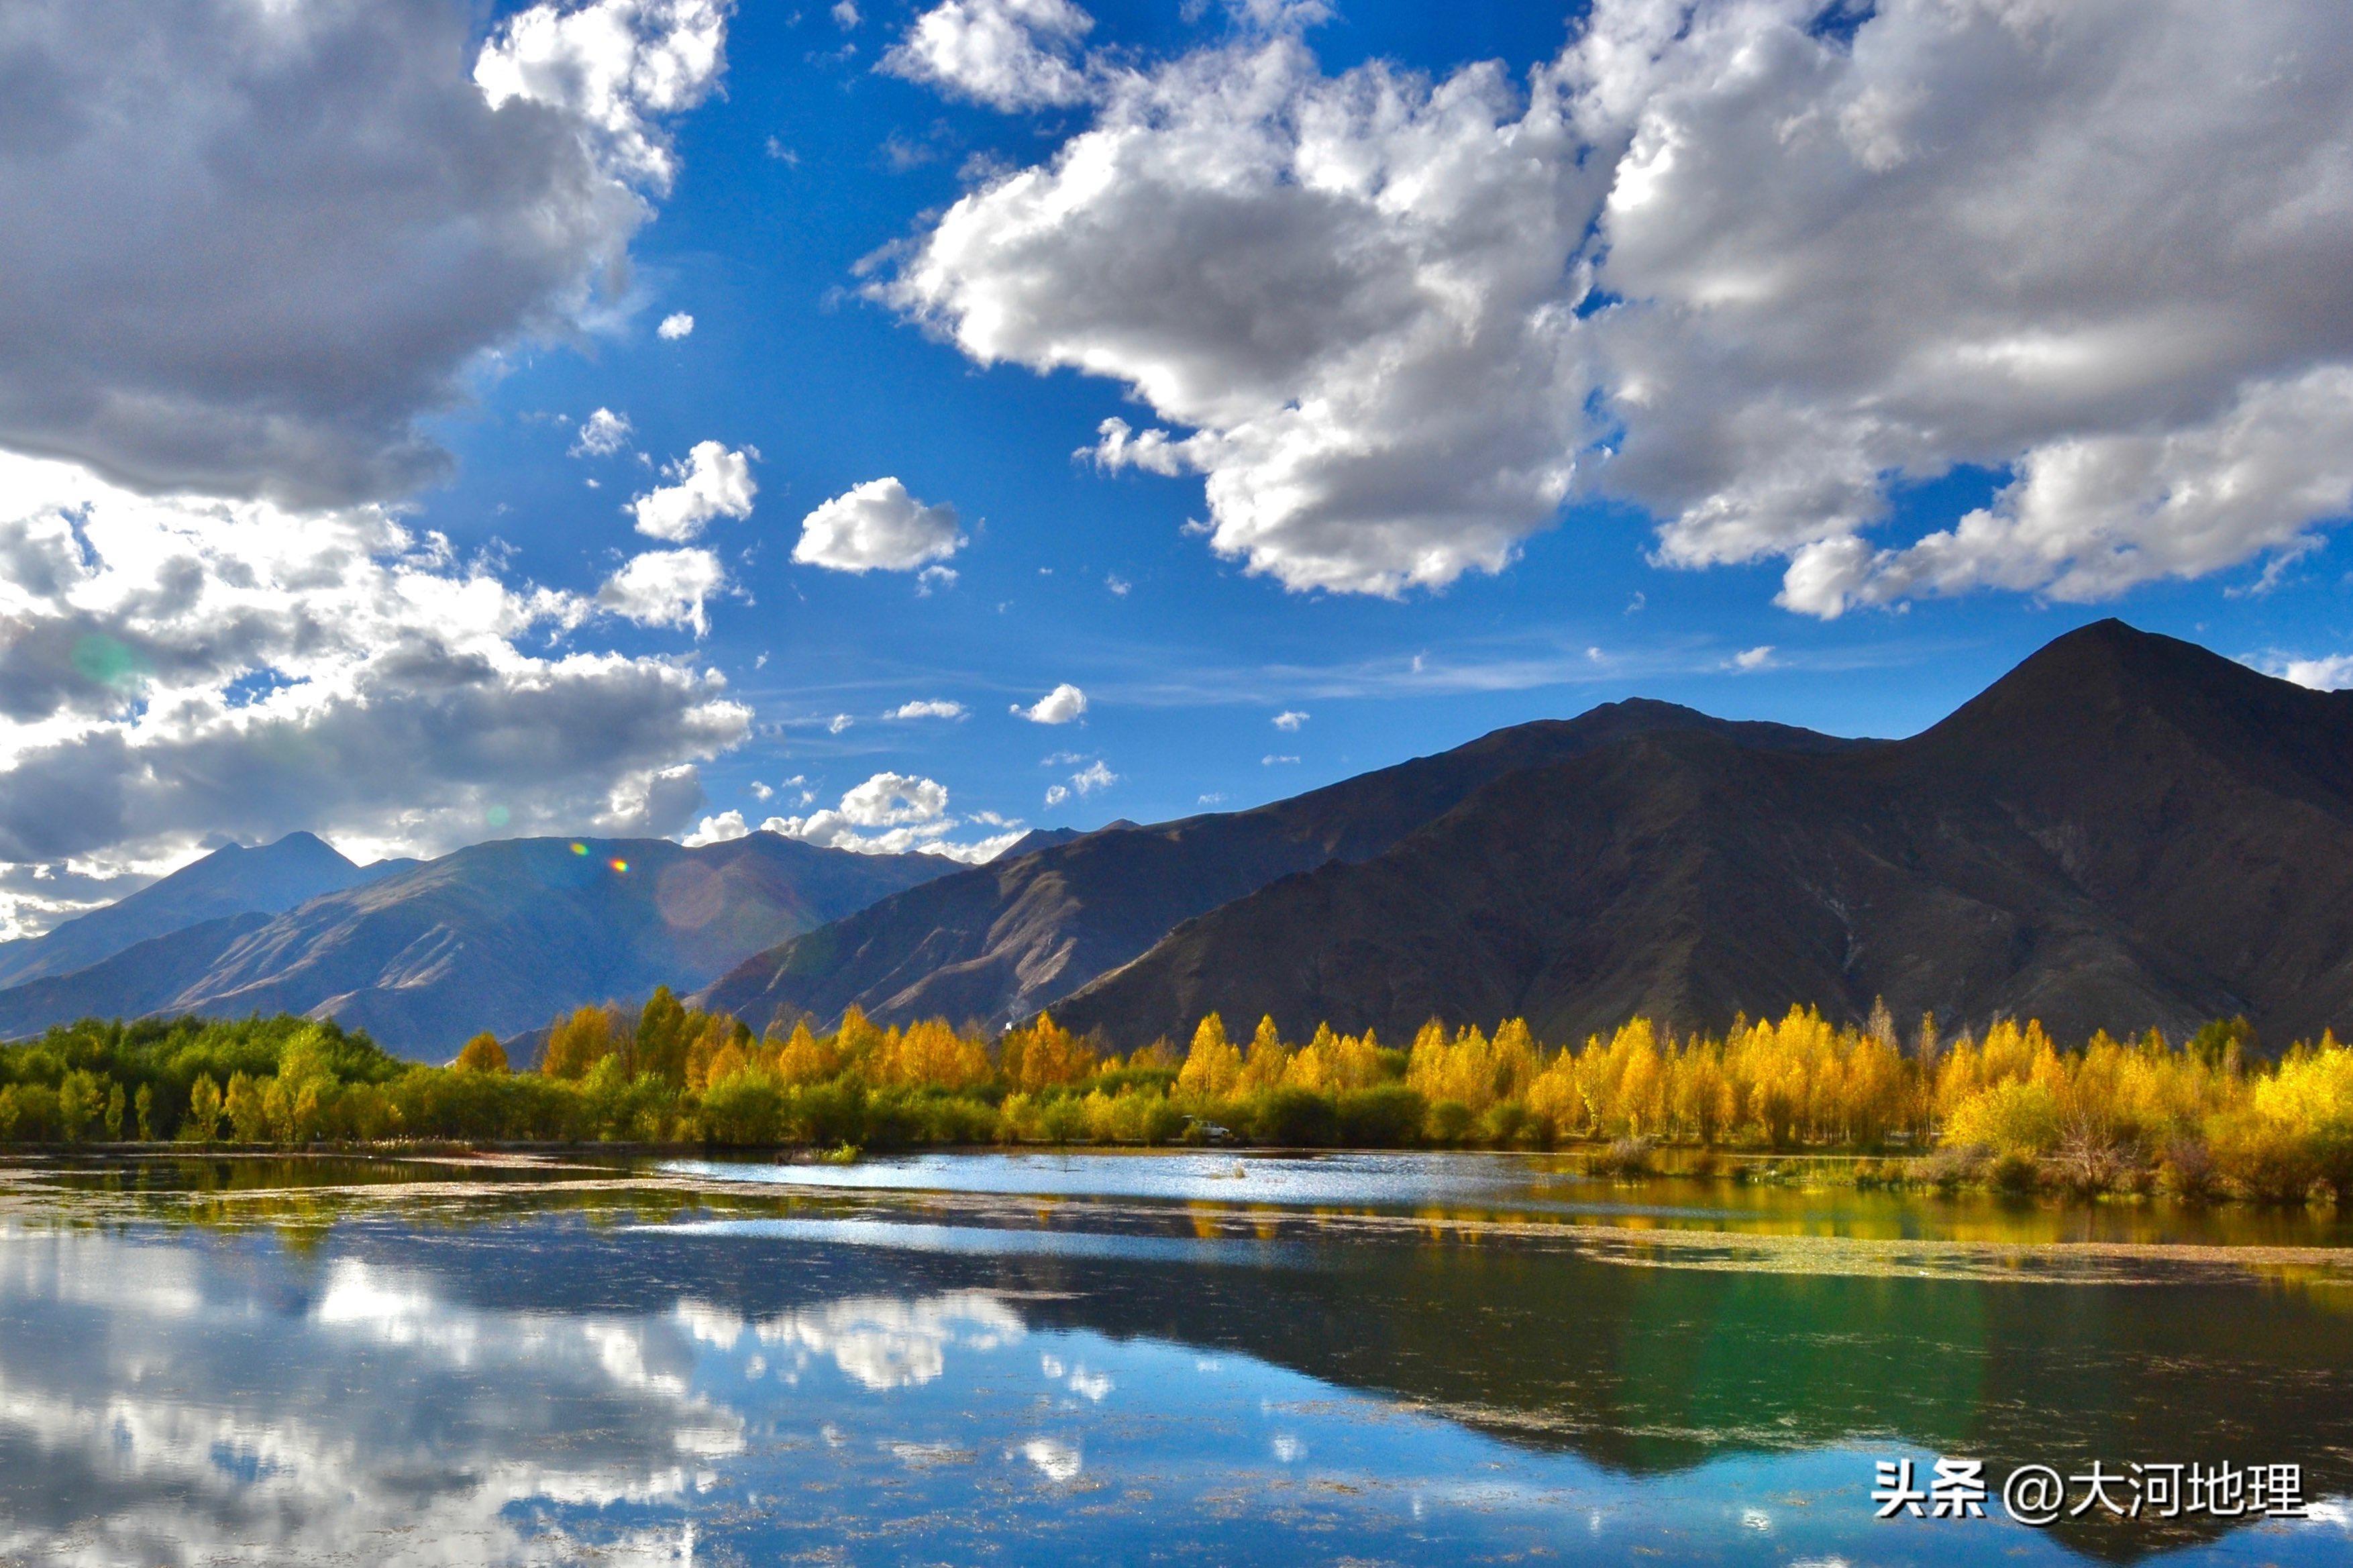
{"x":580,"y":849}
{"x":618,"y":865}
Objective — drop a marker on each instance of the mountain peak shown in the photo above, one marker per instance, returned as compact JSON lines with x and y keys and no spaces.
{"x":2108,"y":676}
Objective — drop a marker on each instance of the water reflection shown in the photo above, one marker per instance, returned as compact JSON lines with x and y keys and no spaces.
{"x":163,"y":1402}
{"x":555,"y":1387}
{"x":1804,"y":1197}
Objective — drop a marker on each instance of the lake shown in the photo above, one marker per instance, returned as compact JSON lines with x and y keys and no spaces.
{"x":1127,"y":1358}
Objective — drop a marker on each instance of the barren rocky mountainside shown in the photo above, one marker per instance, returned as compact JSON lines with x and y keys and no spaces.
{"x":2125,"y":831}
{"x":1001,"y":940}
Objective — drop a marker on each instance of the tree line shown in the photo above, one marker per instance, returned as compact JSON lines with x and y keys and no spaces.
{"x":2204,"y":1117}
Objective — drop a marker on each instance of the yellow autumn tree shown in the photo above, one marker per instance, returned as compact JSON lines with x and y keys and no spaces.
{"x":1212,"y":1067}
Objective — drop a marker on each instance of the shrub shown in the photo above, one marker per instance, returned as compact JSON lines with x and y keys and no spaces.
{"x":1294,"y":1116}
{"x":1624,"y":1157}
{"x":1449,"y":1121}
{"x":1387,"y":1117}
{"x":2009,"y":1117}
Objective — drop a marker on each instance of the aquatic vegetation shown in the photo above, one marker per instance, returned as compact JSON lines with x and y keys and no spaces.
{"x":2203,"y":1118}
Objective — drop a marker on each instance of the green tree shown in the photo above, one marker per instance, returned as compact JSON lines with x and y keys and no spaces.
{"x":80,"y":1100}
{"x":202,"y":1123}
{"x":247,"y":1109}
{"x":664,"y":1030}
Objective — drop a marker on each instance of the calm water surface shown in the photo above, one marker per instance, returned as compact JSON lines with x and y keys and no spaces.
{"x":1119,"y":1359}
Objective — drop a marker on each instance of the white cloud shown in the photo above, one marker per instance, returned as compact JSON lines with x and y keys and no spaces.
{"x":249,"y":245}
{"x":762,"y":792}
{"x":1735,"y":269}
{"x":1009,"y":53}
{"x":1273,"y":761}
{"x":712,"y":482}
{"x":2330,"y":673}
{"x":676,"y":325}
{"x":1215,"y":797}
{"x":1351,"y":289}
{"x":877,"y":526}
{"x":602,"y":434}
{"x":1757,"y":658}
{"x":840,"y":723}
{"x":845,"y":15}
{"x":932,"y":577}
{"x":1060,"y":706}
{"x":175,"y":668}
{"x":610,"y":63}
{"x":1118,"y":584}
{"x":891,"y":814}
{"x":717,"y":829}
{"x":930,"y":709}
{"x":1289,"y":719}
{"x":1095,"y":777}
{"x":665,"y":588}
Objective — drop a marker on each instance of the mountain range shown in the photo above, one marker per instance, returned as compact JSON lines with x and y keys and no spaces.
{"x":498,"y":936}
{"x":2125,"y":831}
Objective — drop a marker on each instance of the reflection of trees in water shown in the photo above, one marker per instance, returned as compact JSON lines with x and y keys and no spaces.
{"x":1644,"y":1369}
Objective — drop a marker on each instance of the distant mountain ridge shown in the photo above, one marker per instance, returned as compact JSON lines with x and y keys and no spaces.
{"x":2127,"y":831}
{"x":497,"y":936}
{"x":231,"y":880}
{"x":1001,"y":940}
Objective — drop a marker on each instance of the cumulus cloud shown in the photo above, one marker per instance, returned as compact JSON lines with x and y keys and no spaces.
{"x":711,"y":482}
{"x":1095,"y":777}
{"x":1289,"y":719}
{"x":1009,"y":53}
{"x":174,"y":670}
{"x":2333,"y":672}
{"x":602,"y":434}
{"x":1060,"y":706}
{"x":877,"y":526}
{"x":1351,"y":291}
{"x":665,"y":588}
{"x":676,"y":325}
{"x":249,"y":245}
{"x":890,"y":814}
{"x":727,"y":824}
{"x":934,"y":709}
{"x":1757,"y":658}
{"x":1743,"y":271}
{"x":611,"y":63}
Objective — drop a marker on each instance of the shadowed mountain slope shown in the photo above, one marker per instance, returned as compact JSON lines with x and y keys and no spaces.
{"x":232,"y":880}
{"x":498,"y":936}
{"x":2125,"y":831}
{"x":1003,"y":940}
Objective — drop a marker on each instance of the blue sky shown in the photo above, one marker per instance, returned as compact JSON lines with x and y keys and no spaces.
{"x":1694,"y":330}
{"x":1187,"y":670}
